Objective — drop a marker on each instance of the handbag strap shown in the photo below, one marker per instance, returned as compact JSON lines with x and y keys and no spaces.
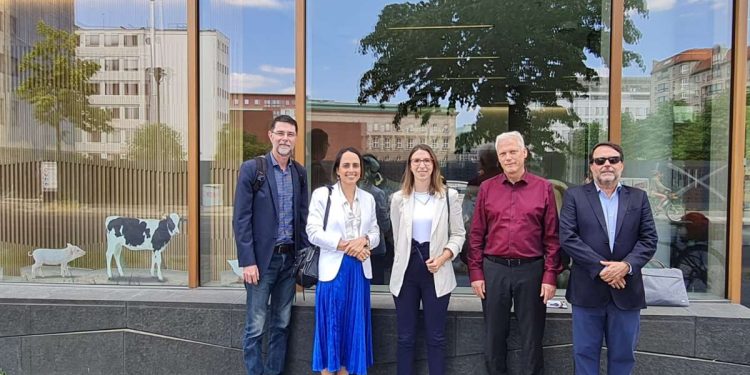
{"x":328,"y":207}
{"x":658,"y":263}
{"x":448,"y":203}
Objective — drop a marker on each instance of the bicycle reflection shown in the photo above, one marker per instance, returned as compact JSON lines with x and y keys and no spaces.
{"x":690,"y":250}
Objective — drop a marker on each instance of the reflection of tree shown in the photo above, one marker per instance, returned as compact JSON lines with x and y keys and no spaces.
{"x":533,"y":55}
{"x":649,"y":138}
{"x":234,"y":144}
{"x":663,"y":135}
{"x":157,"y":142}
{"x":583,"y":139}
{"x":56,"y":83}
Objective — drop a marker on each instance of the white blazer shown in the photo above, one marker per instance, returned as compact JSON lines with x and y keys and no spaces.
{"x":402,"y":210}
{"x":330,"y":258}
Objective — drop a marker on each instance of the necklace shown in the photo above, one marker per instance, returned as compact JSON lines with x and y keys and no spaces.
{"x":424,"y":202}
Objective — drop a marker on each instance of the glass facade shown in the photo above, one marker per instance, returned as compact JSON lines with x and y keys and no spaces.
{"x":676,"y":90}
{"x":386,"y":77}
{"x":247,"y":79}
{"x":93,"y":165}
{"x":94,"y":118}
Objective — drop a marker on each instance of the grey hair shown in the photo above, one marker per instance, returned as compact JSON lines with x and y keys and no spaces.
{"x":514,"y":135}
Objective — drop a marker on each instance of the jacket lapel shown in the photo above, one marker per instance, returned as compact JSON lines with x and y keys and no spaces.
{"x":271,"y":178}
{"x":439,"y":204}
{"x":407,"y":210}
{"x":622,"y":208}
{"x":596,"y":205}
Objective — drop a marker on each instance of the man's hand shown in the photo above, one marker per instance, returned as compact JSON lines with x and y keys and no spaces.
{"x":251,"y":275}
{"x":618,"y":283}
{"x":547,"y":292}
{"x":478,"y":287}
{"x":613,"y":271}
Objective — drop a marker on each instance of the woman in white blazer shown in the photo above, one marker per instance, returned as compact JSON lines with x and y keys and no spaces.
{"x":343,"y":334}
{"x":427,"y":237}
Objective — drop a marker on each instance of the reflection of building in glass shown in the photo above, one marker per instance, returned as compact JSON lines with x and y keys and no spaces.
{"x":593,"y":105}
{"x":370,"y":127}
{"x":253,"y":112}
{"x":127,"y":85}
{"x":692,"y":76}
{"x":18,"y":21}
{"x":277,"y":104}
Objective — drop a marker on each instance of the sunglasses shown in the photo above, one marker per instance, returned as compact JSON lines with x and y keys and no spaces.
{"x":612,"y":160}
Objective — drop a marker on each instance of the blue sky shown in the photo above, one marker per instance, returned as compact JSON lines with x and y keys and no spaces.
{"x":261,"y":34}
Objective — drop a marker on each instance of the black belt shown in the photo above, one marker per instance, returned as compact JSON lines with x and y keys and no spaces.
{"x":283,"y":249}
{"x":511,"y":262}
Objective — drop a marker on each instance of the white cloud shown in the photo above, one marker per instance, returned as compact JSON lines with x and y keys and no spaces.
{"x":288,"y":90}
{"x":265,"y":4}
{"x":244,"y":82}
{"x":276,"y":69}
{"x":659,"y":5}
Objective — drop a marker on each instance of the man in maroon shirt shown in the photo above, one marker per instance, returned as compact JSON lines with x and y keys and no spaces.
{"x":513,"y":255}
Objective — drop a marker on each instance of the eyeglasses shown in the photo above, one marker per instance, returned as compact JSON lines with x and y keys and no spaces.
{"x":421,"y":161}
{"x":281,"y":134}
{"x":612,"y":160}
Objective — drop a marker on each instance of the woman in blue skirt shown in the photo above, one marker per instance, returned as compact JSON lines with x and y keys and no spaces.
{"x":343,"y":334}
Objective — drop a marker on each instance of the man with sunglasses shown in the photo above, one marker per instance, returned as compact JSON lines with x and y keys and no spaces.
{"x":608,"y":231}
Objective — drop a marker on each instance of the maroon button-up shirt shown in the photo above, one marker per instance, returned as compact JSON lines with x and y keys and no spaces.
{"x":515,"y":221}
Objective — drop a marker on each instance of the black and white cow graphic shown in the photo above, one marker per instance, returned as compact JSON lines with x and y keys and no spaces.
{"x":139,"y":234}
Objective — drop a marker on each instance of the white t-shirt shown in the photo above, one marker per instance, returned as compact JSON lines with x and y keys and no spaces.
{"x":424,"y":208}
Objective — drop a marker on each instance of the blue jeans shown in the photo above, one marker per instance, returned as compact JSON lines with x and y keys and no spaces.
{"x":620,"y":328}
{"x":278,"y":283}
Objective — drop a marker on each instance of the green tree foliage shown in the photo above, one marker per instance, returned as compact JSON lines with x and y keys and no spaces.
{"x":234,"y":145}
{"x":673,"y":132}
{"x":156,"y":142}
{"x":56,"y":83}
{"x":584,"y":139}
{"x":534,"y":55}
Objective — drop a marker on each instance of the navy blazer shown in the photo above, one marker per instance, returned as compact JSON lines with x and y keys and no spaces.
{"x":256,"y":219}
{"x":583,"y":236}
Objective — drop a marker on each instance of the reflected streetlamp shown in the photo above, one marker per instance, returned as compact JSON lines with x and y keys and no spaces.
{"x":158,"y":74}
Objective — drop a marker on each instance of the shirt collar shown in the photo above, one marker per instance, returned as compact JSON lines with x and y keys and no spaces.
{"x":617,"y":189}
{"x":273,"y":160}
{"x":341,"y":193}
{"x":504,"y":178}
{"x":275,"y":163}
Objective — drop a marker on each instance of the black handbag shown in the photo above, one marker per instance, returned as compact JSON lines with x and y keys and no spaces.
{"x":306,"y":263}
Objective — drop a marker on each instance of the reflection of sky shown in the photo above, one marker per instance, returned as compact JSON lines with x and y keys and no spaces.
{"x":673,"y":26}
{"x":261,"y":34}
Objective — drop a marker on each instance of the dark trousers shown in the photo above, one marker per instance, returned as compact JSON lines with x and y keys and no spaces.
{"x":518,"y":286}
{"x":619,"y":327}
{"x":419,"y":284}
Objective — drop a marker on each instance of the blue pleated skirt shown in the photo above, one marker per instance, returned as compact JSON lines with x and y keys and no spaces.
{"x":343,"y":334}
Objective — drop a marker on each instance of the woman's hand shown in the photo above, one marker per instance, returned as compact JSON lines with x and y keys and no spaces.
{"x":342,"y":245}
{"x":358,"y":248}
{"x":434,"y":264}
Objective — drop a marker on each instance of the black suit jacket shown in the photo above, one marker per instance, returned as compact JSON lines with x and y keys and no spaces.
{"x":583,"y":236}
{"x":256,"y":219}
